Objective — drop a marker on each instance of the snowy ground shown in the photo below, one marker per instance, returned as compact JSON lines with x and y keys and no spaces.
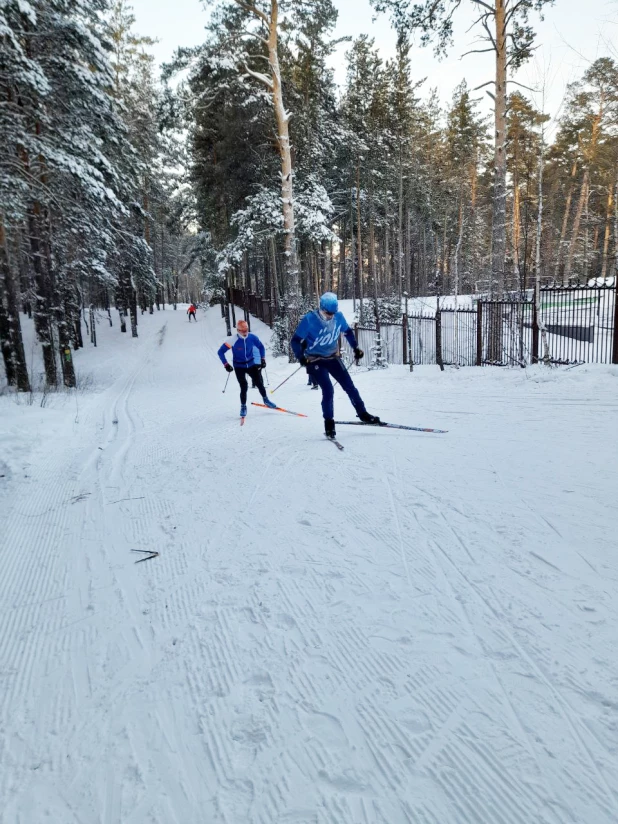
{"x":418,"y":629}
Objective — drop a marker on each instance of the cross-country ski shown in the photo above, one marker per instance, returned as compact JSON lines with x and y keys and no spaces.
{"x":392,"y":426}
{"x":335,"y":441}
{"x":278,"y":409}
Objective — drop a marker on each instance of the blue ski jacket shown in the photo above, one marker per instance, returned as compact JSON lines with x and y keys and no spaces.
{"x":317,"y":337}
{"x":243,"y":351}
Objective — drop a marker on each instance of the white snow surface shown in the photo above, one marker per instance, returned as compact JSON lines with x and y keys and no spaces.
{"x":421,"y":628}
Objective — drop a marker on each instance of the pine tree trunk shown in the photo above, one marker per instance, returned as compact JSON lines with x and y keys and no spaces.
{"x":352,"y":252}
{"x":6,"y":344}
{"x":472,"y":222}
{"x":584,"y":193}
{"x":42,"y":311}
{"x":77,"y":334}
{"x":64,"y":325}
{"x":498,"y":235}
{"x":565,"y":221}
{"x":276,"y":284}
{"x":133,"y":309}
{"x":583,"y":197}
{"x":400,"y":285}
{"x":359,"y":247}
{"x":371,"y":252}
{"x":342,"y":290}
{"x":10,"y":332}
{"x":292,"y":281}
{"x":537,"y":258}
{"x":608,"y":230}
{"x":387,"y":283}
{"x":516,"y":240}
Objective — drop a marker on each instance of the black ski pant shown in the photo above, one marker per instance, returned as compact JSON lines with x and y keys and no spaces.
{"x":192,"y":315}
{"x":256,"y":376}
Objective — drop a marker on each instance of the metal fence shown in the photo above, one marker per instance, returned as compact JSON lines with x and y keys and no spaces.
{"x":580,"y":324}
{"x":253,"y":304}
{"x":458,"y":336}
{"x":391,"y":342}
{"x":574,"y":325}
{"x":504,"y":333}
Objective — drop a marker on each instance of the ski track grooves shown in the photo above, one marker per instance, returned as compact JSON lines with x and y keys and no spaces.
{"x":323,"y":639}
{"x":565,"y":709}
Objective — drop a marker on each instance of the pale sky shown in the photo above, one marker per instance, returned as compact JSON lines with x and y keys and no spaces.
{"x":573,"y":34}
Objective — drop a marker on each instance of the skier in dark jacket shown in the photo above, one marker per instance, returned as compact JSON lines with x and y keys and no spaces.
{"x":243,"y":358}
{"x":315,"y":345}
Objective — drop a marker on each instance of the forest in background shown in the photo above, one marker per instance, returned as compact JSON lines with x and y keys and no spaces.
{"x":244,"y":166}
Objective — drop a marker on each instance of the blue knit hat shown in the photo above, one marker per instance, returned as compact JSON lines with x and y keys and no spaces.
{"x":329,"y":302}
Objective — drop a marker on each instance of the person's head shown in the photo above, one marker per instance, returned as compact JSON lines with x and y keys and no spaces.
{"x":242,"y":327}
{"x":328,"y":305}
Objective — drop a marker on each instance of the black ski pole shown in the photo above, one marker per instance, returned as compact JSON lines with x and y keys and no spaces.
{"x":226,"y":380}
{"x":272,"y":391}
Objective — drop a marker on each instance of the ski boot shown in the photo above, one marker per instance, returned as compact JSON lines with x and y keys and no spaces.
{"x":243,"y":410}
{"x":315,"y":386}
{"x":268,"y":402}
{"x":329,"y":428}
{"x":370,"y":419}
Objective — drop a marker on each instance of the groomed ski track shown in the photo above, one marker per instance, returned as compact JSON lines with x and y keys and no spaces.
{"x":417,"y":630}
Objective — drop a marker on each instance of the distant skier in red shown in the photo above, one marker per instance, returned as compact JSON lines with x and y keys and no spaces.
{"x":191,"y":312}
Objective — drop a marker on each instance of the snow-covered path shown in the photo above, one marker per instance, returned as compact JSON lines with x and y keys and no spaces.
{"x":418,"y":629}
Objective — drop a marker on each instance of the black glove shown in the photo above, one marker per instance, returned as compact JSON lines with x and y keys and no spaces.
{"x":303,"y":360}
{"x":229,"y":368}
{"x":263,"y":364}
{"x":358,"y":354}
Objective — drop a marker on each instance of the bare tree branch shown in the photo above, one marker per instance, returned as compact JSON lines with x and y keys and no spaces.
{"x":261,"y":77}
{"x":477,"y":51}
{"x":485,"y":5}
{"x":253,"y":10}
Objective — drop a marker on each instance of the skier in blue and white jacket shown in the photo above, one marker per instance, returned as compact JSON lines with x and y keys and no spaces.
{"x":245,"y":363}
{"x":315,"y":345}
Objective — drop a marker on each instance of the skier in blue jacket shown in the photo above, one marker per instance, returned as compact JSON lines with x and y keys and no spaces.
{"x":315,"y":345}
{"x":243,"y":358}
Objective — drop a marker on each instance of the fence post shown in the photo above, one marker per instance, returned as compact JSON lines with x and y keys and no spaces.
{"x":439,"y":339}
{"x":230,"y":300}
{"x":93,"y":328}
{"x":404,"y":342}
{"x":228,"y":328}
{"x":479,"y":333}
{"x":615,"y":347}
{"x":410,"y":358}
{"x":535,"y":333}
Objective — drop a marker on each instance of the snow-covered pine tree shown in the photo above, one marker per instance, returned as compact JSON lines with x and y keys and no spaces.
{"x":135,"y":96}
{"x":506,"y":28}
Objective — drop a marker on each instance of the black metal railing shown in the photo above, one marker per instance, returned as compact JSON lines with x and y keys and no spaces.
{"x":578,"y":325}
{"x":504,"y":333}
{"x":574,"y":325}
{"x":253,"y":304}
